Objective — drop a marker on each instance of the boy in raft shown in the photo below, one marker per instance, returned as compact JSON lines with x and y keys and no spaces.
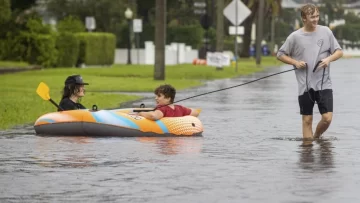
{"x":164,"y":97}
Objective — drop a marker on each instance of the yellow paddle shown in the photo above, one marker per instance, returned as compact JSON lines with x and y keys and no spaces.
{"x":44,"y":92}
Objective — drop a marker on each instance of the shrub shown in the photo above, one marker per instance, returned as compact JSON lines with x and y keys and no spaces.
{"x":67,"y":45}
{"x":96,"y":48}
{"x":71,"y":24}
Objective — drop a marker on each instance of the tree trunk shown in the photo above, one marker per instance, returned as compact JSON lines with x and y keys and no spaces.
{"x":259,"y":31}
{"x":160,"y":39}
{"x":247,"y":30}
{"x":272,"y":39}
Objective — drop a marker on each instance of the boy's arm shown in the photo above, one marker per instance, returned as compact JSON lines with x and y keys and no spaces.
{"x":194,"y":112}
{"x":152,"y":115}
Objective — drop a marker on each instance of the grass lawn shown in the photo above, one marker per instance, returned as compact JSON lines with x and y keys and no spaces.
{"x":22,"y":105}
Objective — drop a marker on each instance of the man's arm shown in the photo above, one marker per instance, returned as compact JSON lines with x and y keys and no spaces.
{"x":336,"y":55}
{"x":333,"y":57}
{"x":285,"y":51}
{"x":288,"y":60}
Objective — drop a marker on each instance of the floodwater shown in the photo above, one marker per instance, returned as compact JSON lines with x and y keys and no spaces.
{"x":251,"y":151}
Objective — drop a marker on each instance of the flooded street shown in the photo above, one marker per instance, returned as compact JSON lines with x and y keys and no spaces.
{"x":251,"y":151}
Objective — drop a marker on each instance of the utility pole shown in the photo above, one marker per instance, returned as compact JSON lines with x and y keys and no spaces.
{"x":160,"y":39}
{"x":219,"y":28}
{"x":259,"y":31}
{"x":213,"y":13}
{"x":236,"y":36}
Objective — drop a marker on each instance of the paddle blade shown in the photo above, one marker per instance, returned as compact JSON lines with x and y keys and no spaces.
{"x":43,"y":91}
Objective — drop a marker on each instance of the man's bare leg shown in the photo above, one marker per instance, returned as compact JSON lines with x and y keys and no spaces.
{"x":307,"y":127}
{"x":323,"y":124}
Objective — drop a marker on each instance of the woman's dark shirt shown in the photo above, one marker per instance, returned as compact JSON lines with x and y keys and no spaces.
{"x":67,"y":104}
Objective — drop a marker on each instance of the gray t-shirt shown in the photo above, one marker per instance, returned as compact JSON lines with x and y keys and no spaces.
{"x":310,"y":47}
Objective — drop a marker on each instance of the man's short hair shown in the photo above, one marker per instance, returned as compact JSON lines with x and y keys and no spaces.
{"x":308,"y":9}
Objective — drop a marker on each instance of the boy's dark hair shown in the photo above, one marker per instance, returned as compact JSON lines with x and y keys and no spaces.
{"x":167,"y":90}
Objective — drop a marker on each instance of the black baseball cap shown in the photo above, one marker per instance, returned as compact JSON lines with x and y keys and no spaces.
{"x":75,"y":79}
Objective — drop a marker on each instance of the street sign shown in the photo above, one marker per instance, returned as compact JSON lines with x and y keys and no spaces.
{"x":242,"y":12}
{"x":240,"y":30}
{"x":90,"y":23}
{"x":200,"y":4}
{"x":199,"y":7}
{"x":217,"y":59}
{"x":137,"y":25}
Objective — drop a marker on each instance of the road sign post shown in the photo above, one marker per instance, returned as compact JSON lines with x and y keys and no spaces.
{"x":137,"y":28}
{"x":236,"y":12}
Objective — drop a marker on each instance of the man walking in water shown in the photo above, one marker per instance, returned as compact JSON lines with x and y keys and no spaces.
{"x":310,"y":50}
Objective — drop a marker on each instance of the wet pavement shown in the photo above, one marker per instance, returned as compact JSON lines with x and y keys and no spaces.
{"x":251,"y":151}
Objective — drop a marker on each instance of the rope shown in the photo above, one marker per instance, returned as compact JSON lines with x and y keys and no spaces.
{"x":142,"y":105}
{"x":236,"y":85}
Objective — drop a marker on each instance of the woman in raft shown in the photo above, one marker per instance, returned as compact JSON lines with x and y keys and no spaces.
{"x":73,"y":91}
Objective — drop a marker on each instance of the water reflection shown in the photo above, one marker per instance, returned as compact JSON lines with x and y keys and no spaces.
{"x":316,"y":155}
{"x":69,"y":154}
{"x":81,"y":152}
{"x":174,"y":145}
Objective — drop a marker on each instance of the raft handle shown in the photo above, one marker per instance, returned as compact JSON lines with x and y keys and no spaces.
{"x":142,"y":110}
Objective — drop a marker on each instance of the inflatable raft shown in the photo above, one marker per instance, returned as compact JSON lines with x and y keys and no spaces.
{"x":117,"y":122}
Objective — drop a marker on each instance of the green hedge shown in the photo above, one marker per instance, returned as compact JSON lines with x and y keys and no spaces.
{"x":64,"y":49}
{"x":67,"y":45}
{"x":12,"y":47}
{"x":96,"y":48}
{"x":30,"y":47}
{"x":190,"y":35}
{"x":41,"y":49}
{"x":71,"y":24}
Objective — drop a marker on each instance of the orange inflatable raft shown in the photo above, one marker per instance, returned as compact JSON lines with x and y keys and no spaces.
{"x":117,"y":122}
